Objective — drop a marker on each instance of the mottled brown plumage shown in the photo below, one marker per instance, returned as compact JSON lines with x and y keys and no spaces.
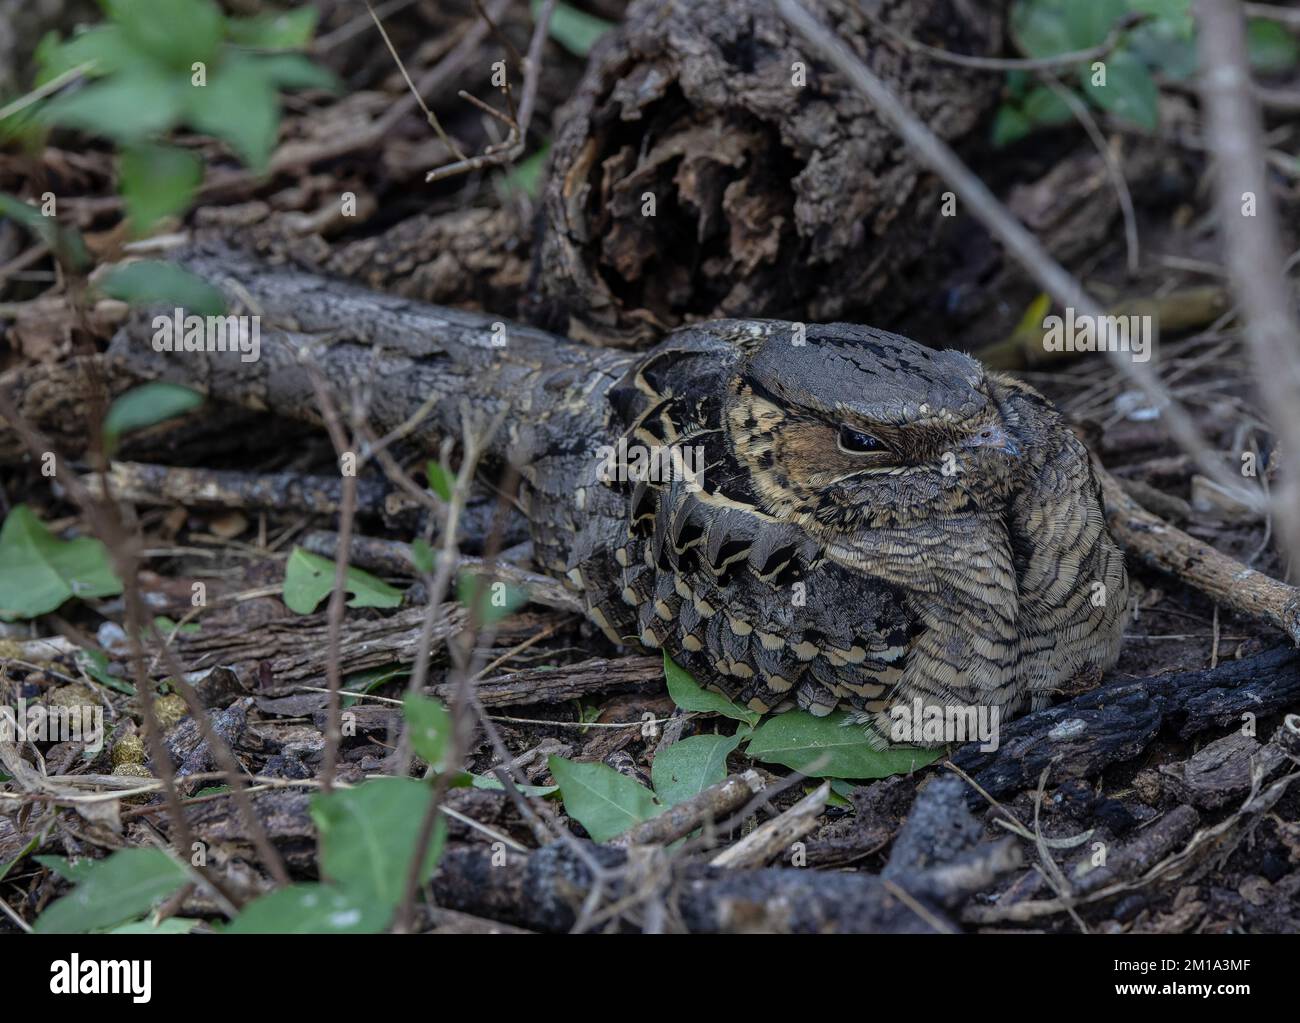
{"x":872,"y":521}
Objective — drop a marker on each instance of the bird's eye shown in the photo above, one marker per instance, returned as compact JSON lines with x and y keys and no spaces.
{"x":856,"y":442}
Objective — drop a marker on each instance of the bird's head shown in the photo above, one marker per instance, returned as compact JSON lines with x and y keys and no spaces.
{"x":859,"y":429}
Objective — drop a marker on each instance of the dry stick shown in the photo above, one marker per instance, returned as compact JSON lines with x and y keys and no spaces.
{"x":770,"y":838}
{"x":333,"y":673}
{"x":429,"y":115}
{"x":1037,"y":261}
{"x":1225,"y":580}
{"x":1235,"y":135}
{"x":725,"y":797}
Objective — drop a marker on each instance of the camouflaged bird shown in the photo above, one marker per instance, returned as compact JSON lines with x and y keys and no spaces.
{"x":849,"y":519}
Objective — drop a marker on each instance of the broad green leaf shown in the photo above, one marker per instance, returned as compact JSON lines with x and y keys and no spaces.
{"x":1088,"y":24}
{"x":1166,"y":48}
{"x":690,"y":695}
{"x":157,"y":182}
{"x":600,"y":799}
{"x":309,"y":579}
{"x":172,"y":925}
{"x":440,"y":482}
{"x":128,"y":106}
{"x":689,"y":766}
{"x":1040,"y":28}
{"x":1130,"y":92}
{"x":312,"y":909}
{"x":274,"y":30}
{"x":38,"y":571}
{"x":368,"y":836}
{"x":65,"y":868}
{"x":800,"y":740}
{"x":575,"y":30}
{"x":294,"y":71}
{"x":480,"y":781}
{"x":173,"y":32}
{"x":147,"y":405}
{"x":125,"y":886}
{"x":370,"y":680}
{"x":95,"y":664}
{"x":152,"y":282}
{"x":238,"y":105}
{"x":430,"y":728}
{"x":1272,"y":49}
{"x":104,"y":47}
{"x":1045,"y":108}
{"x":489,"y":602}
{"x":167,"y":627}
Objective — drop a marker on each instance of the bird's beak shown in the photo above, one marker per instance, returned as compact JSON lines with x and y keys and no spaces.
{"x":996,"y":437}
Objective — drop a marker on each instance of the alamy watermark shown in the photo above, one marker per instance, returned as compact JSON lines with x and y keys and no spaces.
{"x":1083,"y":333}
{"x":181,"y":333}
{"x":37,"y":722}
{"x":655,"y":463}
{"x":919,"y":722}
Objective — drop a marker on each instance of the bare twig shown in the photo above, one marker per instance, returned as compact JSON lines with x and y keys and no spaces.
{"x":1235,"y":133}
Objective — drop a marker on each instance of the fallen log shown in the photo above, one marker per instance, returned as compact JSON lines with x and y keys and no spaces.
{"x":1117,"y":721}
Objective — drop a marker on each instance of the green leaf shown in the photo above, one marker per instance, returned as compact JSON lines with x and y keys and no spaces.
{"x":1010,"y":125}
{"x":104,"y":47}
{"x":173,"y":32}
{"x":575,"y":30}
{"x":1272,"y":49}
{"x":95,"y":664}
{"x":151,"y":282}
{"x":65,"y":868}
{"x":600,"y":799}
{"x":294,"y":71}
{"x":1165,"y":47}
{"x":1040,"y":28}
{"x":439,"y":480}
{"x":312,"y":909}
{"x":1088,"y":24}
{"x":309,"y":579}
{"x":31,"y":846}
{"x":126,"y":885}
{"x":422,"y":556}
{"x":480,"y":781}
{"x":430,"y":728}
{"x":274,"y":30}
{"x":689,"y":766}
{"x":1130,"y":92}
{"x":38,"y":571}
{"x":157,"y":182}
{"x":526,"y":176}
{"x":489,"y":603}
{"x":1045,"y":108}
{"x":799,"y":740}
{"x":172,"y":925}
{"x":167,"y":627}
{"x":65,"y":242}
{"x":368,"y":836}
{"x":690,"y":695}
{"x":238,"y":104}
{"x":147,"y":405}
{"x":128,"y":106}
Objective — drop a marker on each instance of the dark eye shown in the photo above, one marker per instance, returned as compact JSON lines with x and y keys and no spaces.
{"x":856,"y":442}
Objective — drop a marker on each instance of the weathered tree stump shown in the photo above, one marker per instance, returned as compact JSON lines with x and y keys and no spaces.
{"x":776,"y":191}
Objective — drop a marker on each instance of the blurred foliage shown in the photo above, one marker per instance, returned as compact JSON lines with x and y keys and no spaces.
{"x":156,"y":65}
{"x":1159,"y":42}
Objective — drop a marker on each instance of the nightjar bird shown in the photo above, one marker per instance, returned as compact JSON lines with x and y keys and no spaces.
{"x":846,"y":519}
